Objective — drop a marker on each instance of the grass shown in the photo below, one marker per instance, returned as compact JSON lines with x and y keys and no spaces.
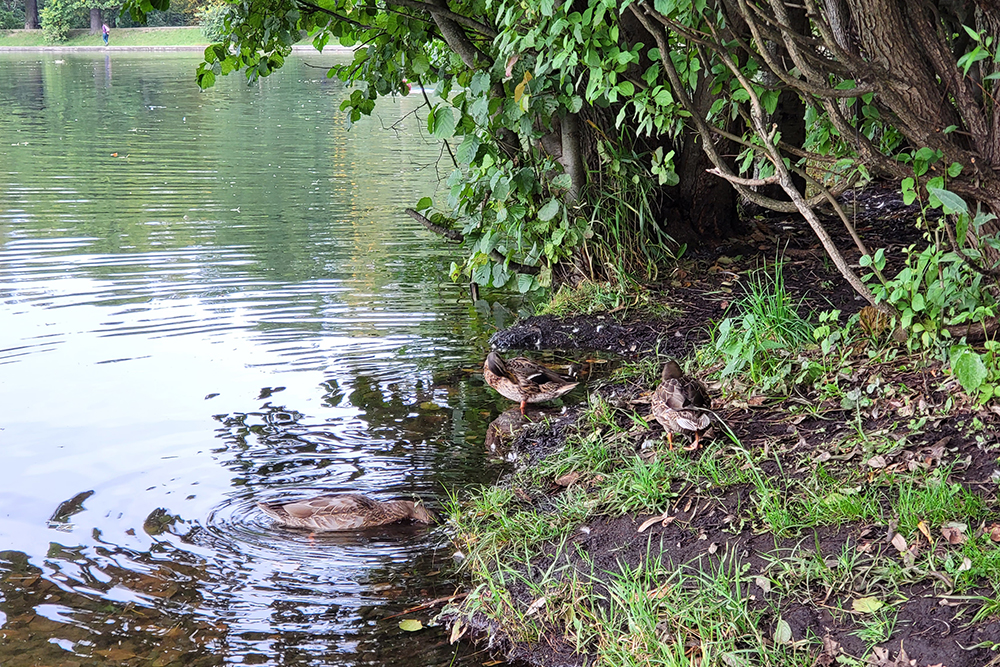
{"x":531,"y":574}
{"x":137,"y":37}
{"x":760,"y":342}
{"x":629,"y":244}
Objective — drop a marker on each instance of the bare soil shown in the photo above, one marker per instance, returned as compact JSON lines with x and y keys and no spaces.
{"x":933,"y":627}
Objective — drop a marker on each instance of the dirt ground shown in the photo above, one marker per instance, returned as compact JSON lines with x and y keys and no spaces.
{"x":933,"y":628}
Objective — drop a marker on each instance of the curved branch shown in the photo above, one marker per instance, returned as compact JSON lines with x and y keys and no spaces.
{"x":340,"y":17}
{"x":444,"y":12}
{"x":450,"y":234}
{"x":785,"y":180}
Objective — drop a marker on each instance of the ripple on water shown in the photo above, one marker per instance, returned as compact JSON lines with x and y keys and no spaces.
{"x":150,"y":262}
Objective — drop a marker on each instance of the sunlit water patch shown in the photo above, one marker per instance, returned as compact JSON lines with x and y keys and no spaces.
{"x":209,"y":298}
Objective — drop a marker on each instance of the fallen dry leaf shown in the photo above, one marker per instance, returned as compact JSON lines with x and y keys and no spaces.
{"x":925,"y":530}
{"x":568,"y":479}
{"x":994,"y":531}
{"x":877,"y":462}
{"x":663,"y":520}
{"x":659,"y":592}
{"x":899,"y":542}
{"x":458,"y":631}
{"x":954,"y":532}
{"x":881,"y":657}
{"x":536,"y":605}
{"x":868,"y":605}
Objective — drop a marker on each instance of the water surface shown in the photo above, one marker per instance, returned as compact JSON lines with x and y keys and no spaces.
{"x":209,"y":298}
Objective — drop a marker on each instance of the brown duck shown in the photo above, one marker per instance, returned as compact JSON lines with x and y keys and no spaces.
{"x":680,"y":404}
{"x":348,"y":511}
{"x":524,"y":381}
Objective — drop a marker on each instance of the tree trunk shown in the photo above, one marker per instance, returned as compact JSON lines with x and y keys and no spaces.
{"x":572,"y":156}
{"x":31,"y":15}
{"x":95,"y":20}
{"x":703,"y":206}
{"x":887,"y":33}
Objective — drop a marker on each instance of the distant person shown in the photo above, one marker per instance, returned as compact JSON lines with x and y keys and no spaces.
{"x":105,"y":33}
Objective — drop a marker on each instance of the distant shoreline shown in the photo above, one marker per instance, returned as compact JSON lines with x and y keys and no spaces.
{"x":157,"y":39}
{"x":329,"y":48}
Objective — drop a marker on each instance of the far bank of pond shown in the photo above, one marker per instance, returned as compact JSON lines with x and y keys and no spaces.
{"x":180,"y":38}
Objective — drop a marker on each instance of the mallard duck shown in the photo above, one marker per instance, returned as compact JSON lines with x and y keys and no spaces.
{"x":348,"y":511}
{"x":679,"y":404}
{"x":524,"y":381}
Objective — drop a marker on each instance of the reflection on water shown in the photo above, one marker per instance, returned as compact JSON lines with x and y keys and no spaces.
{"x":211,"y":298}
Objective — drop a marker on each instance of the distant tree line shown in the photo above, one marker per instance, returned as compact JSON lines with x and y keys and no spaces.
{"x":58,"y":16}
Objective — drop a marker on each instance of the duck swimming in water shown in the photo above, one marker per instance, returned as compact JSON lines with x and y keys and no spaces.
{"x":524,"y":381}
{"x":680,"y":403}
{"x":347,"y":511}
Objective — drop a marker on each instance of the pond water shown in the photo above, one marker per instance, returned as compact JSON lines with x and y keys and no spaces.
{"x":209,"y":298}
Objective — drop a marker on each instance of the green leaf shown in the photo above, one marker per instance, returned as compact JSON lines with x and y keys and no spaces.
{"x":524,"y":282}
{"x":420,"y":65}
{"x":969,"y":370}
{"x":206,"y":79}
{"x":466,"y":152}
{"x":952,"y":202}
{"x":424,"y":203}
{"x":443,"y":123}
{"x":549,"y":210}
{"x":410,"y":625}
{"x":500,"y":275}
{"x":481,"y":274}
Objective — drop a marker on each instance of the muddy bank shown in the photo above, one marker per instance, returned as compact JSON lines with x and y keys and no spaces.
{"x":900,"y":583}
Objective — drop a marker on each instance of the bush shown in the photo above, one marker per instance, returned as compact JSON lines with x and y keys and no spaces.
{"x":11,"y":19}
{"x":171,"y":17}
{"x":57,"y":19}
{"x":213,"y":22}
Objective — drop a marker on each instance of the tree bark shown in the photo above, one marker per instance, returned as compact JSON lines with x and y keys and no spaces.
{"x":703,"y":206}
{"x":572,"y":156}
{"x":31,"y":15}
{"x":95,"y":20}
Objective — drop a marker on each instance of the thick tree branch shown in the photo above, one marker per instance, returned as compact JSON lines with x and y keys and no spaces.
{"x":437,"y":10}
{"x":450,"y":234}
{"x":316,"y":9}
{"x":452,"y":33}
